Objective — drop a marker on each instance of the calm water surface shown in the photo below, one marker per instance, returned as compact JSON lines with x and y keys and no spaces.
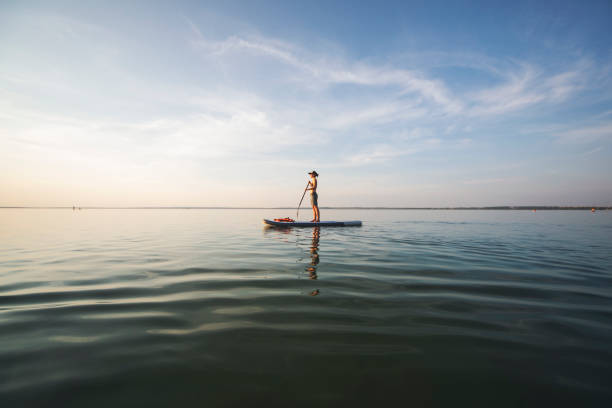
{"x":209,"y":308}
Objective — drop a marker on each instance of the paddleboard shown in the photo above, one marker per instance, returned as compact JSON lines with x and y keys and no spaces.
{"x":313,"y":224}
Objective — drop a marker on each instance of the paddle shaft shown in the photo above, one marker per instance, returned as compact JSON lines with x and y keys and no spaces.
{"x":298,"y":209}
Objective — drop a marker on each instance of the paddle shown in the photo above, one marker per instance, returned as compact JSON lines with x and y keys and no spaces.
{"x":298,"y":209}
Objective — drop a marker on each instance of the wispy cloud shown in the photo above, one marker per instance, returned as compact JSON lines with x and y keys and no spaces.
{"x":329,"y":71}
{"x":593,"y":151}
{"x":520,"y":85}
{"x":586,"y":134}
{"x":526,"y":87}
{"x":380,"y":153}
{"x":200,"y":136}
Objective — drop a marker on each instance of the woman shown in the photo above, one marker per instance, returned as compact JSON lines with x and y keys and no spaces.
{"x":314,"y":197}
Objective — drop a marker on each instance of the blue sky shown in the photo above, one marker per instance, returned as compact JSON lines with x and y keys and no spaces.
{"x":232,"y":103}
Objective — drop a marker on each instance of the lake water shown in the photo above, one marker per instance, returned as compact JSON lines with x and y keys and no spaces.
{"x":209,"y":308}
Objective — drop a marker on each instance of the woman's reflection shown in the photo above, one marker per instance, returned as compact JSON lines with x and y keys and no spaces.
{"x":314,"y":253}
{"x":311,"y":268}
{"x":314,"y":257}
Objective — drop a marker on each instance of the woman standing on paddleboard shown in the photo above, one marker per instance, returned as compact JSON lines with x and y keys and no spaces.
{"x":314,"y":197}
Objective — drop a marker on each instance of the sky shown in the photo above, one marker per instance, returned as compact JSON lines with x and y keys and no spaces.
{"x":399,"y":104}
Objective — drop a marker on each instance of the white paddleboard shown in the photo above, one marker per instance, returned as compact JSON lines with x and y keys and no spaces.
{"x":313,"y":224}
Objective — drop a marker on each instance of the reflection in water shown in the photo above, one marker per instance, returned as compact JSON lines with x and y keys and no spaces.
{"x":313,"y":250}
{"x":314,"y":253}
{"x":314,"y":257}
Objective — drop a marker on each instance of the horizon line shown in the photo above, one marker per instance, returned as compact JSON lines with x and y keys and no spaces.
{"x":495,"y":207}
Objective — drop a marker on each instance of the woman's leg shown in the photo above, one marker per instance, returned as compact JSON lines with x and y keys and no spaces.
{"x":314,"y":200}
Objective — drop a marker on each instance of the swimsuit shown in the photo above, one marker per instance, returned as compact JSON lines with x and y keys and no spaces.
{"x":314,"y":198}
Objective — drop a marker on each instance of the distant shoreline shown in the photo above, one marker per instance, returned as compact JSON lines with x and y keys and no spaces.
{"x":522,"y":207}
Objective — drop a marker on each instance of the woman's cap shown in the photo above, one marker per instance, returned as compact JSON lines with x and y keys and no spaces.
{"x":314,"y":173}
